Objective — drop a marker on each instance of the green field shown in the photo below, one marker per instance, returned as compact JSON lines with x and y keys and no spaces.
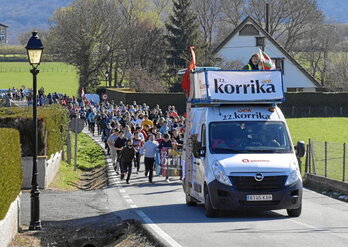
{"x":319,"y":129}
{"x":332,"y":130}
{"x":54,"y":77}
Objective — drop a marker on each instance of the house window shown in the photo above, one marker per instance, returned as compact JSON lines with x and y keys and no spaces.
{"x":2,"y":37}
{"x":2,"y":30}
{"x":279,"y":63}
{"x":294,"y":89}
{"x":248,"y":30}
{"x":260,"y":41}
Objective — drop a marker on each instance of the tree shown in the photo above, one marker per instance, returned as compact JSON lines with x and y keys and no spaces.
{"x":142,"y":42}
{"x":84,"y":34}
{"x":182,"y":31}
{"x":316,"y":45}
{"x":231,"y":13}
{"x":288,"y":18}
{"x":207,"y":14}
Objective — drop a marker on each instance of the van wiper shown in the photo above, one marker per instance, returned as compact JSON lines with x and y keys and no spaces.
{"x":230,"y":150}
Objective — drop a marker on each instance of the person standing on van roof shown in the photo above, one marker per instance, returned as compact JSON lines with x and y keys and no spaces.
{"x":254,"y":63}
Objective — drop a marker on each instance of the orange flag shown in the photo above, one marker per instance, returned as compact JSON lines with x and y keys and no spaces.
{"x":185,"y":83}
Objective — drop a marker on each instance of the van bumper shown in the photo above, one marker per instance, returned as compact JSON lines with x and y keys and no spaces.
{"x":224,"y":197}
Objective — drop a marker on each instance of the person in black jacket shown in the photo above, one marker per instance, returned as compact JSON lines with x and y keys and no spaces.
{"x":119,"y":144}
{"x":127,"y":156}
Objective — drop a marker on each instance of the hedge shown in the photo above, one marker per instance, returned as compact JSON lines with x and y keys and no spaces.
{"x":10,"y":167}
{"x":52,"y":127}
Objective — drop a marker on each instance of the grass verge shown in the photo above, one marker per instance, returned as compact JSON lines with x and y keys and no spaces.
{"x":89,"y":156}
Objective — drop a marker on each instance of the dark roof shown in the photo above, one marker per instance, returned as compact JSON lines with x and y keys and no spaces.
{"x":3,"y":25}
{"x":269,"y":37}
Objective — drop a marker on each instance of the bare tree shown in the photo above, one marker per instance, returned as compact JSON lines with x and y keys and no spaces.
{"x":207,"y":12}
{"x":84,"y":34}
{"x":142,"y":81}
{"x":315,"y":48}
{"x":288,"y":18}
{"x":231,"y":14}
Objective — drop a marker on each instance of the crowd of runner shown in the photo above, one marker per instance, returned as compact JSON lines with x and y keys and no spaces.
{"x":131,"y":131}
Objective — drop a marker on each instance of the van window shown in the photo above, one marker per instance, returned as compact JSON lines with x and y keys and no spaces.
{"x":204,"y":138}
{"x":249,"y":137}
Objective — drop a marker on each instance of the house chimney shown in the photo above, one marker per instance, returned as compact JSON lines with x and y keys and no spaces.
{"x":267,"y":17}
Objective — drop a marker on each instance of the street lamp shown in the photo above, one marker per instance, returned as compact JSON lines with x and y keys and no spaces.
{"x":106,"y":78}
{"x":34,"y":50}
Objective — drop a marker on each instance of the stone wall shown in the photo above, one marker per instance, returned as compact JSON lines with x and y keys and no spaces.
{"x":9,"y":225}
{"x":47,"y":169}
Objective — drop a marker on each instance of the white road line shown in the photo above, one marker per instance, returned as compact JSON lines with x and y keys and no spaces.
{"x":129,"y":201}
{"x":158,"y":230}
{"x":171,"y":242}
{"x":317,"y":228}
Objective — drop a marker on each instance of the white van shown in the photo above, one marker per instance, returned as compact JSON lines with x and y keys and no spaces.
{"x":238,"y":152}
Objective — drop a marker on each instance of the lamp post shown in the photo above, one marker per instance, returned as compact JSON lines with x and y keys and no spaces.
{"x":106,"y":78}
{"x":34,"y":51}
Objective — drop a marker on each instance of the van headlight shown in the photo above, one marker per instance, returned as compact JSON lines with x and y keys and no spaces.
{"x":293,"y":177}
{"x":220,"y":174}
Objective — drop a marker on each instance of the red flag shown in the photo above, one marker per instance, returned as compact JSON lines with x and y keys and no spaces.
{"x":185,"y":84}
{"x":266,"y":61}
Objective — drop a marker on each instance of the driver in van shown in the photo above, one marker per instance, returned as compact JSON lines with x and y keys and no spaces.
{"x":268,"y":140}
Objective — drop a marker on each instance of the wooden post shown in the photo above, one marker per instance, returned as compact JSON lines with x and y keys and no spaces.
{"x":307,"y":158}
{"x":326,"y":159}
{"x":68,"y":147}
{"x":344,"y":162}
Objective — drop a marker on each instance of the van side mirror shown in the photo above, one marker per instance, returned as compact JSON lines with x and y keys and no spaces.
{"x":202,"y":151}
{"x":196,"y":149}
{"x":300,"y":149}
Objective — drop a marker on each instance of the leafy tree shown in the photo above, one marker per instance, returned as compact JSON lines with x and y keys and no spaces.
{"x":182,"y":32}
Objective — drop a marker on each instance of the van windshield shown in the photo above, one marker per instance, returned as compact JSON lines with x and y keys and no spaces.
{"x":249,"y":137}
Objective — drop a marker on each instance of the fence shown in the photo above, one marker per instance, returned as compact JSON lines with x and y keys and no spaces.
{"x":42,"y":69}
{"x":314,"y":111}
{"x":327,"y":159}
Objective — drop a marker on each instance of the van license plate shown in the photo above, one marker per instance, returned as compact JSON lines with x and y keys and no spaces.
{"x":259,"y":197}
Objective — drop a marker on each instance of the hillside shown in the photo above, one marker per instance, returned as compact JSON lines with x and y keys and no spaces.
{"x":26,"y":15}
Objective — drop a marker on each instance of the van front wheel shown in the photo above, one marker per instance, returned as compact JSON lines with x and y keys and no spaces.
{"x":210,"y":212}
{"x":294,"y":212}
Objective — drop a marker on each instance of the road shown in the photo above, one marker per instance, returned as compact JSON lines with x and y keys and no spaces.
{"x":161,"y":206}
{"x":324,"y":221}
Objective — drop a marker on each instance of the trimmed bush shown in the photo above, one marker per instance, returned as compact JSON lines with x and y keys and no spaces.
{"x":10,"y":167}
{"x":52,"y":122}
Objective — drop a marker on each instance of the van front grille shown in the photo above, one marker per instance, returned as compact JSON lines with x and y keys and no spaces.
{"x":248,"y":183}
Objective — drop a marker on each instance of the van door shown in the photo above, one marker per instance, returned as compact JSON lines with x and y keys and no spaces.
{"x":198,"y":163}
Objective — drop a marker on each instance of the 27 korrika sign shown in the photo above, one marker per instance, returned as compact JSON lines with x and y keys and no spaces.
{"x":244,"y":86}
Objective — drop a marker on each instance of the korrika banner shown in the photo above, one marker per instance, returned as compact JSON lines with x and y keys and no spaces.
{"x":244,"y":86}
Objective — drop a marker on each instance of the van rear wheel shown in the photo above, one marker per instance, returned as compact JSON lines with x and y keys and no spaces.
{"x":210,"y":212}
{"x":294,"y":212}
{"x":190,"y":201}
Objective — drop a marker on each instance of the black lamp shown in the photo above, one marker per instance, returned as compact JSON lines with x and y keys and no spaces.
{"x":34,"y":51}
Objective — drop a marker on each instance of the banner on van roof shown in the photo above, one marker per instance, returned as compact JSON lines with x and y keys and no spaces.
{"x":238,"y":86}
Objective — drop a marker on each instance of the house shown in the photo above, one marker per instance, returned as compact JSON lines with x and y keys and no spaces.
{"x":248,"y":37}
{"x":3,"y":34}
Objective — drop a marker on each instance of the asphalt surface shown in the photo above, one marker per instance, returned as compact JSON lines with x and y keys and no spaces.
{"x":161,"y":207}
